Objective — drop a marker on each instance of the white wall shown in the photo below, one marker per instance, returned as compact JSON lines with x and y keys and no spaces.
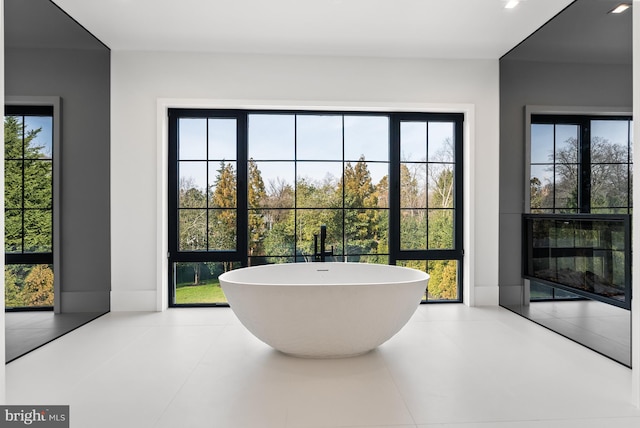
{"x":145,"y":83}
{"x":635,"y":226}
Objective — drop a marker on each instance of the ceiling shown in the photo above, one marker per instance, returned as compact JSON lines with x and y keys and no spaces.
{"x":583,"y":33}
{"x":444,"y":29}
{"x":41,"y":24}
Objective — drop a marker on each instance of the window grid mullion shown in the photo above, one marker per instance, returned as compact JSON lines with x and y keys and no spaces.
{"x":584,"y":144}
{"x":555,"y":162}
{"x":344,"y":186}
{"x":426,"y":165}
{"x":295,"y":187}
{"x":629,"y":168}
{"x":206,"y":184}
{"x":23,"y":204}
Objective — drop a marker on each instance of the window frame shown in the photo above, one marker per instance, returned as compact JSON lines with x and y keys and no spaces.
{"x":584,"y":161}
{"x":581,"y":117}
{"x":240,"y":255}
{"x":40,"y":106}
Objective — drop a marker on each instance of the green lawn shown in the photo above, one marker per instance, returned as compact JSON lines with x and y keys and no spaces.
{"x":206,"y":292}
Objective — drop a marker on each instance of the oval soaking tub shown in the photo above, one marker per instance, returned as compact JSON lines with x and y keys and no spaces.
{"x":324,"y":310}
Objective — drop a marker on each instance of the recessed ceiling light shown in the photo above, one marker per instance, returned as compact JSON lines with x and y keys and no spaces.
{"x":511,"y":4}
{"x":620,"y":8}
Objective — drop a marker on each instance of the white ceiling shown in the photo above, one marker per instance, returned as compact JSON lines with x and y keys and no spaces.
{"x":378,"y":28}
{"x":583,"y":33}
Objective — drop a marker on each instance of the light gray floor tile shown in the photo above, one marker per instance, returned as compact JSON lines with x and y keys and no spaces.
{"x":451,"y":366}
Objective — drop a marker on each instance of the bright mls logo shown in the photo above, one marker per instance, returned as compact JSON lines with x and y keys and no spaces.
{"x":34,"y":416}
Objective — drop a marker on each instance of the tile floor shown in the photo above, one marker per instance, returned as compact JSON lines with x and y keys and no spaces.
{"x":599,"y":326}
{"x":451,"y":367}
{"x":26,"y":331}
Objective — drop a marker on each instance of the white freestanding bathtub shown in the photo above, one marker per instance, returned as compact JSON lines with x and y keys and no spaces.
{"x":324,"y":310}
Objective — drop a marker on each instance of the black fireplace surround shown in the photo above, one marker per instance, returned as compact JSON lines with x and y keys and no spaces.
{"x":585,"y":254}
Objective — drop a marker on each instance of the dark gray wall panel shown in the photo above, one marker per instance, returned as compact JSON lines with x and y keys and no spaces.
{"x":525,"y":83}
{"x":579,"y":62}
{"x":82,"y":79}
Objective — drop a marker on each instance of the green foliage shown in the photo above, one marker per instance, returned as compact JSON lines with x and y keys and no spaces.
{"x":279,"y":239}
{"x":426,"y":222}
{"x":28,"y":199}
{"x":257,"y":196}
{"x":411,"y":195}
{"x":222,"y":221}
{"x":441,"y":229}
{"x":359,"y":191}
{"x":28,"y":286}
{"x":441,"y":195}
{"x":443,"y":276}
{"x":18,"y":138}
{"x":28,"y":214}
{"x":223,"y":194}
{"x":541,"y":196}
{"x":413,"y":229}
{"x":363,"y":222}
{"x":353,"y":205}
{"x":13,"y":295}
{"x":208,"y":225}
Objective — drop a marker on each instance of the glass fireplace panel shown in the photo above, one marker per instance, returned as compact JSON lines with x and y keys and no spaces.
{"x":585,"y":254}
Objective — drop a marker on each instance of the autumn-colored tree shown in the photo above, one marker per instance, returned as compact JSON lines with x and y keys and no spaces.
{"x":359,"y":191}
{"x":443,"y":279}
{"x":222,"y":219}
{"x":361,"y":218}
{"x":223,"y":193}
{"x":38,"y":286}
{"x":443,"y":284}
{"x":283,"y":217}
{"x":382,"y":192}
{"x":257,"y":196}
{"x":540,"y":196}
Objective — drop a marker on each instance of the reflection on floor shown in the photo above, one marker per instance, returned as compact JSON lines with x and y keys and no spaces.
{"x":450,"y":366}
{"x":602,"y":327}
{"x":26,"y":331}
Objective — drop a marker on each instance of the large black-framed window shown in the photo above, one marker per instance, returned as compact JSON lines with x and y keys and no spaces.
{"x":253,"y":187}
{"x":29,"y":207}
{"x":579,"y":164}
